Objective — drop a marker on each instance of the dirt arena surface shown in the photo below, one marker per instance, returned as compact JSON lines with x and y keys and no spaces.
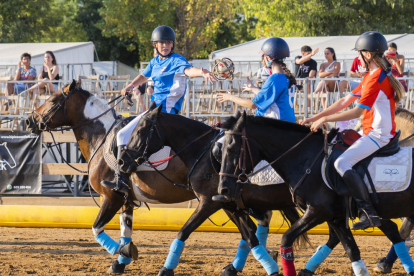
{"x":55,"y":251}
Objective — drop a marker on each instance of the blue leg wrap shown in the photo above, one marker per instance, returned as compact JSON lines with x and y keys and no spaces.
{"x":260,"y":253}
{"x":176,"y":249}
{"x":107,"y":242}
{"x":392,"y":256}
{"x":405,"y":258}
{"x":322,"y":252}
{"x":261,"y":234}
{"x":242,"y":252}
{"x":121,"y":259}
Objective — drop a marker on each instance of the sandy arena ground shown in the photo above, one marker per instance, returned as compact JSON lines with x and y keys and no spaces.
{"x":48,"y":251}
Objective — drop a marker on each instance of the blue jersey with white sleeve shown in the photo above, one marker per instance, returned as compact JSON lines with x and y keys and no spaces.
{"x":169,"y":81}
{"x":275,"y":99}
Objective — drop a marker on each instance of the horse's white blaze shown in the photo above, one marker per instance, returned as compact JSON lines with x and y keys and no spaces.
{"x":96,"y":231}
{"x":94,"y":107}
{"x":140,"y":197}
{"x":126,"y":231}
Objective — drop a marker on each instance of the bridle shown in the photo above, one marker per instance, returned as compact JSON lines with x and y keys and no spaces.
{"x":244,"y":178}
{"x":144,"y":157}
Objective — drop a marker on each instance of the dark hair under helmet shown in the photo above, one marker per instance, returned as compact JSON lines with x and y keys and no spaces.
{"x":163,"y":33}
{"x":276,"y":48}
{"x":372,"y":42}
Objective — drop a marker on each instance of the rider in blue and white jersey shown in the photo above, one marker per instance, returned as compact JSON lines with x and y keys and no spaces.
{"x":168,"y":70}
{"x":275,"y":99}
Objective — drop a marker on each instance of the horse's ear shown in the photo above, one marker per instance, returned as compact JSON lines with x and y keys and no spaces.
{"x":159,"y":109}
{"x":238,"y":114}
{"x":244,"y":116}
{"x":69,"y":88}
{"x":152,"y":106}
{"x":78,"y":84}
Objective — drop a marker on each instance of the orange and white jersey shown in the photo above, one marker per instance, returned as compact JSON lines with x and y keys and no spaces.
{"x":377,"y":98}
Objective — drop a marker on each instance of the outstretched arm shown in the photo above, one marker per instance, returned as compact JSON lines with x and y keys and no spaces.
{"x":223,"y":97}
{"x":194,"y":72}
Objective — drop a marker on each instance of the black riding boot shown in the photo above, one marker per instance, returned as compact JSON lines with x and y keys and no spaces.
{"x":367,"y":215}
{"x":121,"y":179}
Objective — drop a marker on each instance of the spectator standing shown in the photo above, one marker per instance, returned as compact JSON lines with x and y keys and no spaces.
{"x":397,"y":61}
{"x":358,"y":70}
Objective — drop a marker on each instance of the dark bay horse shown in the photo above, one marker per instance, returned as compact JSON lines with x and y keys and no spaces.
{"x":178,"y":132}
{"x":75,"y":107}
{"x":269,"y":139}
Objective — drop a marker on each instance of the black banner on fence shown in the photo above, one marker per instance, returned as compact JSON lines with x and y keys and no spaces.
{"x":20,"y":163}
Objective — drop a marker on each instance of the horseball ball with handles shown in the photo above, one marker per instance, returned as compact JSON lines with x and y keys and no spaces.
{"x":223,"y":69}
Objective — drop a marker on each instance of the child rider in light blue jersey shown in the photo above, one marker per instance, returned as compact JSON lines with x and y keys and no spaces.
{"x":168,"y":70}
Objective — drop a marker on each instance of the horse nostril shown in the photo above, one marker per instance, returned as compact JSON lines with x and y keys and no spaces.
{"x":120,"y":162}
{"x":224,"y":191}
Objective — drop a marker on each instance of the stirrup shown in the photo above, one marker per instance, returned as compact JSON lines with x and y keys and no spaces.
{"x":221,"y":198}
{"x":112,"y":185}
{"x":366,"y":221}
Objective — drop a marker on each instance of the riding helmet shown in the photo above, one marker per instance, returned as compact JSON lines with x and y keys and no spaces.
{"x":276,"y":48}
{"x":372,"y":42}
{"x":163,"y":33}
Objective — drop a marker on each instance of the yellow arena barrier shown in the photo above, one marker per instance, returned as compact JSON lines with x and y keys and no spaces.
{"x":163,"y":219}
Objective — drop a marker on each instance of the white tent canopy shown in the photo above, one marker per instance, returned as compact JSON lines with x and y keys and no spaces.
{"x":65,"y":53}
{"x":342,"y":45}
{"x":73,"y":58}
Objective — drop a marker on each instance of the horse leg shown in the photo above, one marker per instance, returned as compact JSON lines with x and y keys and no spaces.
{"x":322,"y":252}
{"x":386,"y":263}
{"x":350,"y":246}
{"x":107,"y":211}
{"x":125,"y":219}
{"x":263,"y":220}
{"x":309,"y":220}
{"x":390,"y":229}
{"x":247,"y":229}
{"x":204,"y":210}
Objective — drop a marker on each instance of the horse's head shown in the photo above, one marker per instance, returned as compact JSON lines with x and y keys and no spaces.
{"x":147,"y":139}
{"x":239,"y":155}
{"x":57,"y":110}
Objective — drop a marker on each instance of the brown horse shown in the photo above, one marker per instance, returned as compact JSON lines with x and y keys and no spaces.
{"x":78,"y":109}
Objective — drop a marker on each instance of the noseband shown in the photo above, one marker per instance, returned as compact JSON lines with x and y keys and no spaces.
{"x":243,"y":177}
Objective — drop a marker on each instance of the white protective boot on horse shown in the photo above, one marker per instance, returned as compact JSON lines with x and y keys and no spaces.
{"x":121,"y":184}
{"x":367,"y":215}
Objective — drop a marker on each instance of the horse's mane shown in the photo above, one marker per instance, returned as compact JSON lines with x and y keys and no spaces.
{"x":229,"y":123}
{"x":404,"y":114}
{"x":264,"y":121}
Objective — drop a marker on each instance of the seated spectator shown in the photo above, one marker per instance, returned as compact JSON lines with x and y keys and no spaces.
{"x":263,"y":73}
{"x":397,"y":62}
{"x":49,"y":71}
{"x":305,"y":66}
{"x":358,"y":70}
{"x":24,"y":72}
{"x":329,"y":69}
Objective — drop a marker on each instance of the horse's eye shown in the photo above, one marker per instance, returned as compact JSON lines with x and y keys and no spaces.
{"x":231,"y":150}
{"x":91,"y":103}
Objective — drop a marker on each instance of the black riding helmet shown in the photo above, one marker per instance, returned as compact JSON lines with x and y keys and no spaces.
{"x":276,"y":48}
{"x":373,"y":42}
{"x":163,"y":33}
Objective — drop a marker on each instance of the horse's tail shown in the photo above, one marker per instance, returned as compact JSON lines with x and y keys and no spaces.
{"x":291,"y":215}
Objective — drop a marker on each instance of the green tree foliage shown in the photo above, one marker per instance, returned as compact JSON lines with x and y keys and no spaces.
{"x":329,"y":17}
{"x":196,"y":23}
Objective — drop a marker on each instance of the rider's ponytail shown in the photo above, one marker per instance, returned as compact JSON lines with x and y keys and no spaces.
{"x":396,"y":85}
{"x":289,"y":75}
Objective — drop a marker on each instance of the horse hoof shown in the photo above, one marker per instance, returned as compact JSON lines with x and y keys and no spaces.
{"x":229,"y":271}
{"x":129,"y":250}
{"x":305,"y":272}
{"x":276,"y":274}
{"x":274,"y":254}
{"x":166,"y":272}
{"x":116,"y":268}
{"x":384,"y":266}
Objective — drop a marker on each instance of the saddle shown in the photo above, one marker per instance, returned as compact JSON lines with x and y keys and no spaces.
{"x":343,"y":141}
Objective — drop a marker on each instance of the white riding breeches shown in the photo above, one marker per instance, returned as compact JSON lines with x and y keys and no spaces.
{"x":125,"y":133}
{"x":362,"y":148}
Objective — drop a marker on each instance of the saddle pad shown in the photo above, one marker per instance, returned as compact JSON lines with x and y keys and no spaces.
{"x":389,"y":174}
{"x":266,"y":177}
{"x":110,"y":158}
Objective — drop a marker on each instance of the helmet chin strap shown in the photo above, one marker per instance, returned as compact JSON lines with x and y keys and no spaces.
{"x":171,"y":52}
{"x":369,"y":61}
